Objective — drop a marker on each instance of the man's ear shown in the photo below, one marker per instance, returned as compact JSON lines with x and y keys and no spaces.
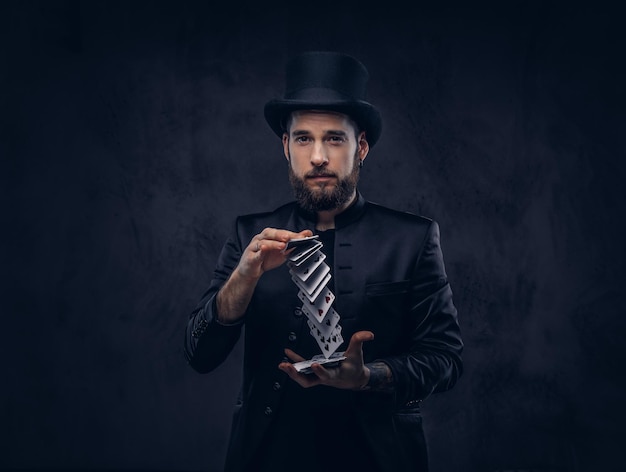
{"x":363,"y":146}
{"x":286,"y":145}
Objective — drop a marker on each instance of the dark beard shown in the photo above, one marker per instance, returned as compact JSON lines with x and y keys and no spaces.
{"x":322,"y":198}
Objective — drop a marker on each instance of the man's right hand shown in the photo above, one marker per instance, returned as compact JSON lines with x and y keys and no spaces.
{"x":265,"y":252}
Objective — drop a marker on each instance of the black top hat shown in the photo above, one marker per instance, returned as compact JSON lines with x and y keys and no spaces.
{"x":326,"y":81}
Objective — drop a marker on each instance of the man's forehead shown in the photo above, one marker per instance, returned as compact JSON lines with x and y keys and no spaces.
{"x":298,"y":116}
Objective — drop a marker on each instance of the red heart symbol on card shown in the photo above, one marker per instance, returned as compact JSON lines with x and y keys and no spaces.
{"x":327,"y":298}
{"x":320,"y":312}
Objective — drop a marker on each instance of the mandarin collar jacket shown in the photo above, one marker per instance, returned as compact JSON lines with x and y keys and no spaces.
{"x":389,"y":278}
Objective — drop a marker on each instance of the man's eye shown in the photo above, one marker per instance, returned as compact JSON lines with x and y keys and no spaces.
{"x":302,"y":139}
{"x":336,"y":139}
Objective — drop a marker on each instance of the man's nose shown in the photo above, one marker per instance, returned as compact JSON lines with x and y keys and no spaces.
{"x":318,"y":155}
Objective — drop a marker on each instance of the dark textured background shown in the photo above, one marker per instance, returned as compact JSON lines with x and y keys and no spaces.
{"x":131,"y":133}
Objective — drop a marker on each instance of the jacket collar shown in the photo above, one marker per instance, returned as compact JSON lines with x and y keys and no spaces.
{"x":346,"y":217}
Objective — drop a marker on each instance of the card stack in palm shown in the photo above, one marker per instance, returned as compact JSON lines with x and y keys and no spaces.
{"x":311,"y":275}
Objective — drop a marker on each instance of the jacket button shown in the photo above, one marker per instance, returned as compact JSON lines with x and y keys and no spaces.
{"x":276,"y":386}
{"x":268,"y":411}
{"x":297,"y":312}
{"x":292,"y":336}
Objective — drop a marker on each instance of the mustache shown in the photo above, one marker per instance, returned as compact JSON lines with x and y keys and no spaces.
{"x":319,"y":173}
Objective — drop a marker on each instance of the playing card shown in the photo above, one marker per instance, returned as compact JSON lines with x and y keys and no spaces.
{"x":321,"y":286}
{"x":311,"y":283}
{"x":304,"y":271}
{"x":318,"y":307}
{"x":301,"y":256}
{"x":326,"y":326}
{"x":328,"y":344}
{"x":300,"y":243}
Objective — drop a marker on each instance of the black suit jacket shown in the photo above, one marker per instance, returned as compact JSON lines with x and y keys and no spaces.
{"x":389,"y":278}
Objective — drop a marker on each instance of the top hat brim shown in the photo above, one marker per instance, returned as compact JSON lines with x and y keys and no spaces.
{"x":363,"y":113}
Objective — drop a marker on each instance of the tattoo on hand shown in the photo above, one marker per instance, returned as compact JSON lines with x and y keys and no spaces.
{"x":381,"y":378}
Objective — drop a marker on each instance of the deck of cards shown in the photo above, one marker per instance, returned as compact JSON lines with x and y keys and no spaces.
{"x":311,"y":275}
{"x":304,"y":367}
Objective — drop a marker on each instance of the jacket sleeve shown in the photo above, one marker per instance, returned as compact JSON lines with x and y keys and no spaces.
{"x":207,"y":341}
{"x":433,"y":362}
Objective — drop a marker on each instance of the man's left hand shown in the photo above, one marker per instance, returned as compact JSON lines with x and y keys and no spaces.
{"x":350,"y":374}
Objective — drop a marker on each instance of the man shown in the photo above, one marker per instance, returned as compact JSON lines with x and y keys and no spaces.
{"x":391,"y":294}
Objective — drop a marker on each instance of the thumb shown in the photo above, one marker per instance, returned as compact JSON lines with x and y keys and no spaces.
{"x":356,"y":342}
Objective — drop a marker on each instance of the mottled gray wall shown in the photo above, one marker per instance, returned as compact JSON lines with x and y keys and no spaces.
{"x":131,"y":134}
